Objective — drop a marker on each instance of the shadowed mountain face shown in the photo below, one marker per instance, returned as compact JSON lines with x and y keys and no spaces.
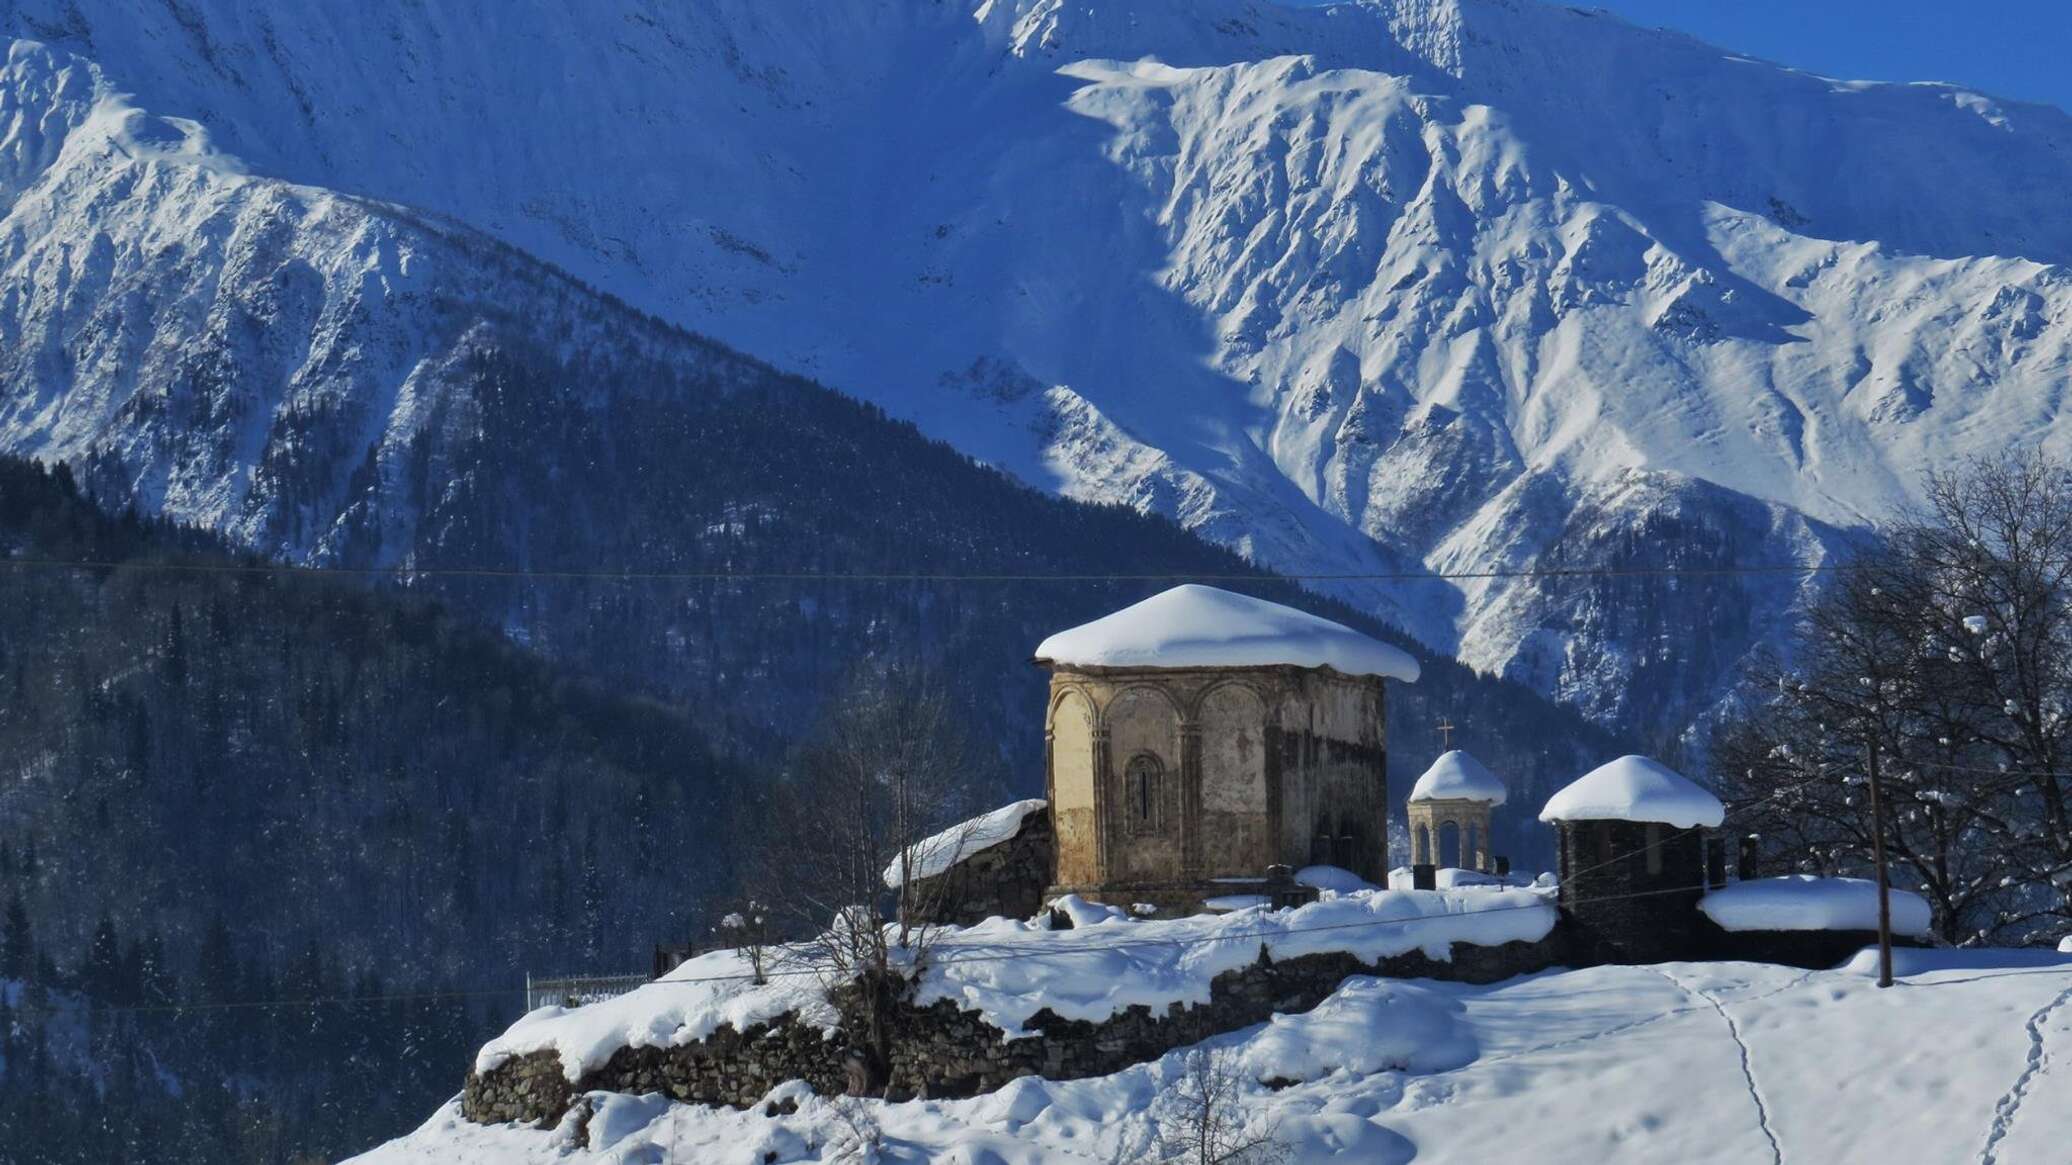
{"x":1373,"y":288}
{"x":341,"y":382}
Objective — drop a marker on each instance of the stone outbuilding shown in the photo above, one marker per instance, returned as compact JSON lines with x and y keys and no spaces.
{"x":1630,"y":841}
{"x":994,"y":864}
{"x":1200,"y":737}
{"x":1456,"y":794}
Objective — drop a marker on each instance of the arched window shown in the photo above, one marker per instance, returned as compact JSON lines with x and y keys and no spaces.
{"x":1143,"y":784}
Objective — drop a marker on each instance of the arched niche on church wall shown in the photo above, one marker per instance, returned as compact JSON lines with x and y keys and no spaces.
{"x":1144,"y":777}
{"x":1072,"y":784}
{"x":1236,"y":827}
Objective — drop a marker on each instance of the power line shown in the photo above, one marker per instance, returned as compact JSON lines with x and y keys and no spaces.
{"x":1023,"y":950}
{"x":404,"y":573}
{"x":993,"y":952}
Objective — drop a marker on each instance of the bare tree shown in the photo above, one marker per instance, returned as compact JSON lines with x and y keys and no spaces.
{"x":1795,"y":770}
{"x":887,"y":766}
{"x":1949,"y":652}
{"x":1200,"y":1118}
{"x":747,"y":930}
{"x":1996,"y":541}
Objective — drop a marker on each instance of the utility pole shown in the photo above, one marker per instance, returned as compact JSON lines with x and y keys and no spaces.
{"x":1870,"y":749}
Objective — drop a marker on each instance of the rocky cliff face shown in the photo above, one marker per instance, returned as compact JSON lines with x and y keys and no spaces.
{"x":1405,"y":288}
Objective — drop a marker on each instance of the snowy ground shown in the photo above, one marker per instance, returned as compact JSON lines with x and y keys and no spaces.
{"x":1006,"y":971}
{"x":1968,"y":1058}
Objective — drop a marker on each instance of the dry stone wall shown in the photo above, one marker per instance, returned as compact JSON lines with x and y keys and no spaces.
{"x":943,"y":1051}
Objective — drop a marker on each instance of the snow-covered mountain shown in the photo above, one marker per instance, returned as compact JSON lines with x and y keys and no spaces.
{"x":1397,"y":286}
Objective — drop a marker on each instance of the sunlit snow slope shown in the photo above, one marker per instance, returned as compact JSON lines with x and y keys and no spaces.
{"x":1713,"y":1063}
{"x":1410,"y":286}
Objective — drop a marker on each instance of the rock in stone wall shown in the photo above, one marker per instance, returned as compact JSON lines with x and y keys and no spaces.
{"x":943,"y":1051}
{"x":1006,"y":880}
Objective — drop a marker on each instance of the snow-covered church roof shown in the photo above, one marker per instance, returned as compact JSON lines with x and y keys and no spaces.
{"x":1635,"y":788}
{"x":1456,"y":776}
{"x":1201,"y":626}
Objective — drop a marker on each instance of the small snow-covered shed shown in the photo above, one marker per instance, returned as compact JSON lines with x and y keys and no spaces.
{"x":1631,"y":850}
{"x":1807,"y":920}
{"x":1808,"y":902}
{"x":1456,"y":792}
{"x":995,"y":864}
{"x":1200,"y":736}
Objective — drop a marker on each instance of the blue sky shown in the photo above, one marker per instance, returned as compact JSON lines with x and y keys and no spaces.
{"x":2010,"y":48}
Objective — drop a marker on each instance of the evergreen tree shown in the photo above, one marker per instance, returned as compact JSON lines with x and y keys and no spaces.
{"x":156,"y":984}
{"x":17,"y":944}
{"x":101,"y":975}
{"x":215,"y":972}
{"x":175,"y":649}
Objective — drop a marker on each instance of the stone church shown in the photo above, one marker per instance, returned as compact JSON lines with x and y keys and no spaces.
{"x":1200,"y":737}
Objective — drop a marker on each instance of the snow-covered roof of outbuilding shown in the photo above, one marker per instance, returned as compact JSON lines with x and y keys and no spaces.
{"x":1635,"y":788}
{"x":939,"y":852}
{"x":1201,"y":626}
{"x":1806,"y":902}
{"x":1456,"y":776}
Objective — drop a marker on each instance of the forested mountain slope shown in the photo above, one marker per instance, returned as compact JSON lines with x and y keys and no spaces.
{"x":1416,"y":285}
{"x":225,"y":787}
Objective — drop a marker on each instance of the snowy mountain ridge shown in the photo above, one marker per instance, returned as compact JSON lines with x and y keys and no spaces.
{"x":1375,"y":288}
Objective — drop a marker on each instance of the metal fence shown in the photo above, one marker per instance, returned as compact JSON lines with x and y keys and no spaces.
{"x":576,"y":990}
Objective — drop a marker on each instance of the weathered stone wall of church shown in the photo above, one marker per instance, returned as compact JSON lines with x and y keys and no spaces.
{"x":1165,"y":779}
{"x":1334,"y":774}
{"x":1070,"y":744}
{"x":1236,"y":814}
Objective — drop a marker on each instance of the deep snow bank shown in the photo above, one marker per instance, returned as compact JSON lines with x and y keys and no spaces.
{"x":1006,"y":971}
{"x":1613,"y":1065}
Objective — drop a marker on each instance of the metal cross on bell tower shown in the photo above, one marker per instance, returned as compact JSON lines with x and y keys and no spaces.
{"x":1445,"y":728}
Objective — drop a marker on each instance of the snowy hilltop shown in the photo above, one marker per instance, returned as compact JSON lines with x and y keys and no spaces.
{"x":1389,"y":287}
{"x":1719,"y":1063}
